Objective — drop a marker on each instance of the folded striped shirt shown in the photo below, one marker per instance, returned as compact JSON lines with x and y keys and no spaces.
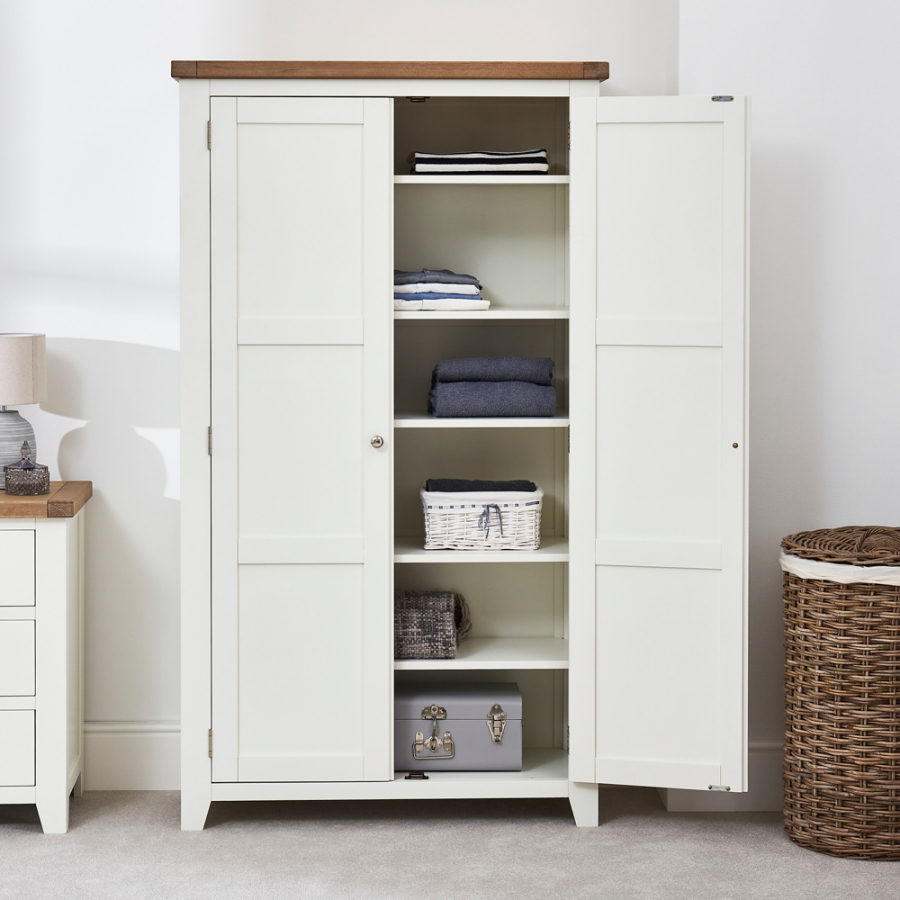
{"x":481,"y":162}
{"x":435,"y":287}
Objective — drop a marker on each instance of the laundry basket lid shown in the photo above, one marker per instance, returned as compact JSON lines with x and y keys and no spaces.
{"x":855,"y":545}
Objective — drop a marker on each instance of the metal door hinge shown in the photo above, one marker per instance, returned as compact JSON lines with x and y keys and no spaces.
{"x":568,"y":740}
{"x":722,"y":98}
{"x":720,"y":787}
{"x":209,"y":135}
{"x":569,"y":135}
{"x":568,"y":438}
{"x":209,"y":440}
{"x":210,"y":743}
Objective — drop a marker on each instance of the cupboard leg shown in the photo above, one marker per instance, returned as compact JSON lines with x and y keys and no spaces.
{"x":78,"y":787}
{"x":54,"y":814}
{"x":585,"y":804}
{"x":194,"y":810}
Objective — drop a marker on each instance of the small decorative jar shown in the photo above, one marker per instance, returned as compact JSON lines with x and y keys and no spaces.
{"x":26,"y":477}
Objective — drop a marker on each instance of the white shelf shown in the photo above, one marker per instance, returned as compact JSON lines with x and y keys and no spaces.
{"x":539,"y":766}
{"x":409,"y":550}
{"x":426,"y":420}
{"x":545,"y":773}
{"x":501,"y":312}
{"x":481,"y":179}
{"x":498,"y":653}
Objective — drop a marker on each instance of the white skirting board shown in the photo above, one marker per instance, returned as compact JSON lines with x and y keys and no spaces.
{"x":764,"y":778}
{"x":132,"y":756}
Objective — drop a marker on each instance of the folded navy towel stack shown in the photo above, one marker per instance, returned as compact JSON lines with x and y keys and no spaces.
{"x":437,"y":289}
{"x":465,"y":485}
{"x":499,"y":387}
{"x":481,"y":162}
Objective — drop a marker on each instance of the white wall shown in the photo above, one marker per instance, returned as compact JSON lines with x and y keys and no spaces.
{"x":824,"y":277}
{"x":88,"y":254}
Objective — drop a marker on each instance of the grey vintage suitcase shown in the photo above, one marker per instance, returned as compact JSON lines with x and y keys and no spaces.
{"x":448,"y":727}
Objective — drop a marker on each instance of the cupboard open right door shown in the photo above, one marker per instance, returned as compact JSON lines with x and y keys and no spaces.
{"x":658,"y":225}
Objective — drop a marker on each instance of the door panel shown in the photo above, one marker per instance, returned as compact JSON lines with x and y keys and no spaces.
{"x":659,"y":227}
{"x":658,"y":678}
{"x":316,"y":412}
{"x":658,"y":424}
{"x":659,"y":234}
{"x":301,"y":313}
{"x":301,"y":647}
{"x":300,"y":248}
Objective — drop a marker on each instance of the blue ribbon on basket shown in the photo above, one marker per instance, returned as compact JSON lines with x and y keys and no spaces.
{"x":484,"y":520}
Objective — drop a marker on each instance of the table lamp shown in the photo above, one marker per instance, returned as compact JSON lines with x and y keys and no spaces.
{"x":23,"y":379}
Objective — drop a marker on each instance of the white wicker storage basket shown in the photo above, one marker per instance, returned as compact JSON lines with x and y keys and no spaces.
{"x":501,"y":520}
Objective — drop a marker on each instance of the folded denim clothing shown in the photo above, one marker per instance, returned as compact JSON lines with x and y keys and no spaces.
{"x":436,"y":276}
{"x":486,"y":162}
{"x":535,"y":369}
{"x":469,"y":303}
{"x":462,"y":485}
{"x":501,"y":399}
{"x":434,"y":286}
{"x":432,"y":295}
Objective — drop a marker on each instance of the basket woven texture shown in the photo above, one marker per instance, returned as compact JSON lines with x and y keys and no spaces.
{"x":491,"y":523}
{"x":842,"y":699}
{"x":429,"y":624}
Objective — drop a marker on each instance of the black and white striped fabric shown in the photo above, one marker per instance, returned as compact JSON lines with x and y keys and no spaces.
{"x":482,"y":162}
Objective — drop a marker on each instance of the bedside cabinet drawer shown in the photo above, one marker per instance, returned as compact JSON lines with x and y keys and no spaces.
{"x":17,"y":568}
{"x":16,"y":747}
{"x":17,"y":658}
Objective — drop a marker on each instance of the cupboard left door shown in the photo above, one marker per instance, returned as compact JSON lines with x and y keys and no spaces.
{"x":301,"y":207}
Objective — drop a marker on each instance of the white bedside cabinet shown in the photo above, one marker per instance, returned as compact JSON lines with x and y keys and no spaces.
{"x":41,"y":638}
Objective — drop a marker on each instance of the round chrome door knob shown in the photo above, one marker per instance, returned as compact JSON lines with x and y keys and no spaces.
{"x":377,"y":442}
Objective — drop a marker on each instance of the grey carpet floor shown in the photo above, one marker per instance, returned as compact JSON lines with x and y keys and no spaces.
{"x":128,"y":845}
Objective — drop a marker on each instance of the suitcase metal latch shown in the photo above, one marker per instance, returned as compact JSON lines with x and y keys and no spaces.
{"x":496,"y":723}
{"x":434,"y":743}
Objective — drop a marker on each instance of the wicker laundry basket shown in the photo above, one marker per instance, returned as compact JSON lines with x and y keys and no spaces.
{"x":842,"y":691}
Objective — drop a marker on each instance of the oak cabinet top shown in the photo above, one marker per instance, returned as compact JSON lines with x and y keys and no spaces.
{"x":591,"y":71}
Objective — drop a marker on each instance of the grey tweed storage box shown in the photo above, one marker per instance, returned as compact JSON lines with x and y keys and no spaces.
{"x":484,"y":722}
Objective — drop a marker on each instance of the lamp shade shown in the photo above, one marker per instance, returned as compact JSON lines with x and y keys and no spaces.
{"x":23,"y":369}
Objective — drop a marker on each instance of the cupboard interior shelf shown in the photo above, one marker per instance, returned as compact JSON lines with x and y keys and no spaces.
{"x":521,"y":312}
{"x":481,"y":179}
{"x":498,"y":653}
{"x":409,"y":550}
{"x":540,"y":765}
{"x":426,"y":420}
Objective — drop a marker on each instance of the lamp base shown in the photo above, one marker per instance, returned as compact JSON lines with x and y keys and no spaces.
{"x":13,"y":431}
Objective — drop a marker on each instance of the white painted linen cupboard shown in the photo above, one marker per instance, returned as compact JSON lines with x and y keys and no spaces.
{"x":626,"y":630}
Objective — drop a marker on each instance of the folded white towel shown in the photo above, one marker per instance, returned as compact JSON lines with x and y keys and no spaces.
{"x":426,"y":288}
{"x":442,"y":304}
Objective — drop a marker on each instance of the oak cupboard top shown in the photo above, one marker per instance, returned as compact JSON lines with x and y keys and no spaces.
{"x":593,"y":71}
{"x":63,"y":501}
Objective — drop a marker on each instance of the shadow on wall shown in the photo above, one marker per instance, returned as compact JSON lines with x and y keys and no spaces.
{"x":132,"y":530}
{"x":788,"y":364}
